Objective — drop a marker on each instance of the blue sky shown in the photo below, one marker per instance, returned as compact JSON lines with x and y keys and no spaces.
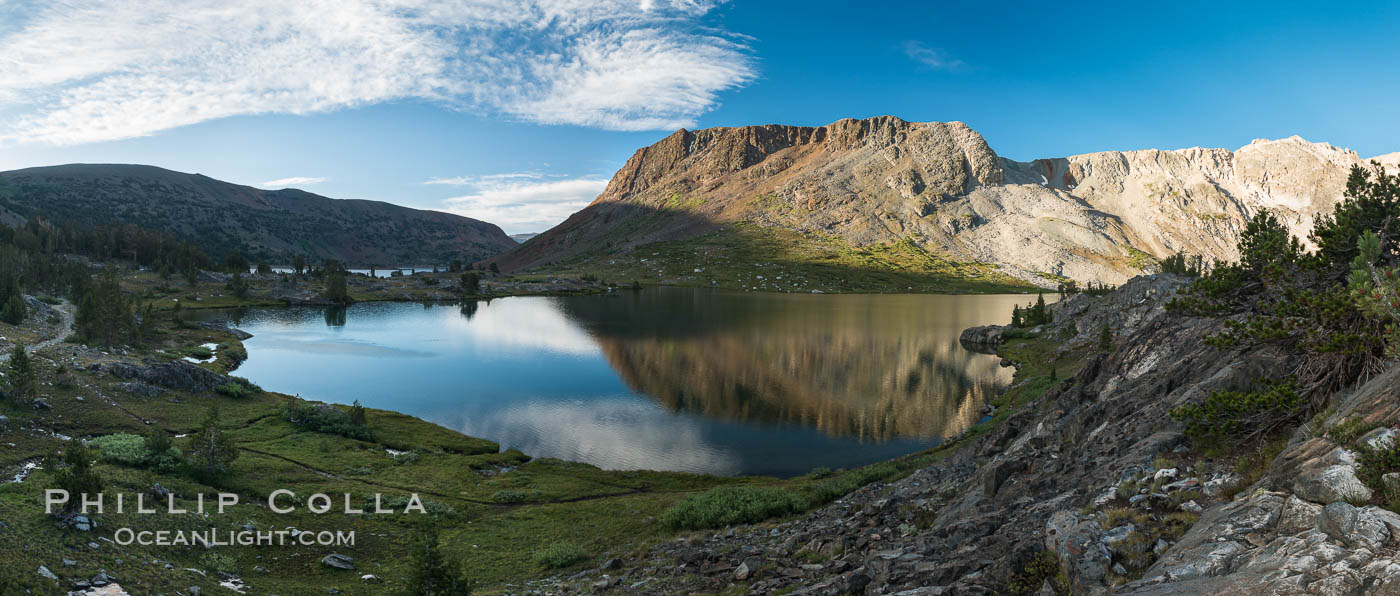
{"x":517,"y":112}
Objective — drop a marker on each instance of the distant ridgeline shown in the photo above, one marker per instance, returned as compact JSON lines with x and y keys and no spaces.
{"x":262,"y":225}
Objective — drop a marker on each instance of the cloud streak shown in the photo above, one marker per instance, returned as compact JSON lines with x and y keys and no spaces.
{"x":98,"y":70}
{"x":293,"y":181}
{"x":523,"y":202}
{"x":930,"y":57}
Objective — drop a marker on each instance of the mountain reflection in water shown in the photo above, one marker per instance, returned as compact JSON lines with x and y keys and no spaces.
{"x":667,"y":378}
{"x":870,"y":367}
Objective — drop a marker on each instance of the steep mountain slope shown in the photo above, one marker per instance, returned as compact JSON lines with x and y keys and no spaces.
{"x":274,"y":225}
{"x":1094,"y":217}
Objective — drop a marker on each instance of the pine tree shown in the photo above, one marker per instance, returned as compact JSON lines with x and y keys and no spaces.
{"x":24,"y":387}
{"x":336,"y":290}
{"x":105,"y":315}
{"x":213,"y":451}
{"x":358,"y":416}
{"x":1106,"y":339}
{"x":429,"y":573}
{"x":1016,"y":320}
{"x":76,"y":475}
{"x":235,"y":263}
{"x":1040,"y":315}
{"x":471,"y":283}
{"x":14,"y":310}
{"x":238,"y":285}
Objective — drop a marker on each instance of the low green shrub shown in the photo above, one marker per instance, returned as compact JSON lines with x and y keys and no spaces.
{"x":1348,"y":431}
{"x":844,"y":484}
{"x":323,"y":418}
{"x":1042,"y":567}
{"x":1374,"y":463}
{"x":122,"y":448}
{"x":219,"y":562}
{"x":728,"y":505}
{"x":153,"y":452}
{"x":560,"y":555}
{"x":238,"y":388}
{"x":1017,"y":333}
{"x":514,"y":496}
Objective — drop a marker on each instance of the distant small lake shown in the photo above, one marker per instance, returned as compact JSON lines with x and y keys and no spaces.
{"x":664,"y":379}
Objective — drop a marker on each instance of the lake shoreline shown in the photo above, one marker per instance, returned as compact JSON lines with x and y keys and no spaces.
{"x":303,"y":324}
{"x":469,"y":480}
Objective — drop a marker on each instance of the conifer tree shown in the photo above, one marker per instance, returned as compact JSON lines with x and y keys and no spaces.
{"x":1106,"y":339}
{"x":23,"y":385}
{"x":14,"y":310}
{"x":76,"y":474}
{"x":471,"y":283}
{"x":429,"y":573}
{"x":358,"y":416}
{"x":213,"y":451}
{"x":238,"y":285}
{"x":336,"y":290}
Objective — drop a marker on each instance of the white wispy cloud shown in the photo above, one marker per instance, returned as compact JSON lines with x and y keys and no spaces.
{"x":293,"y":181}
{"x":524,"y":203}
{"x":472,"y":180}
{"x":95,"y":70}
{"x":931,"y":57}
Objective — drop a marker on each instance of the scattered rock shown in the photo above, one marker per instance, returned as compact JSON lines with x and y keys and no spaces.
{"x":338,"y":561}
{"x":45,"y":573}
{"x":141,"y":389}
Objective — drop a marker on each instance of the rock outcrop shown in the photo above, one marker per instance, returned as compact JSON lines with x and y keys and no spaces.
{"x":178,"y":375}
{"x":1096,"y":217}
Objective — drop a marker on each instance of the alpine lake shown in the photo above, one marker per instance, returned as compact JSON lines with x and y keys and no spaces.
{"x":675,"y":379}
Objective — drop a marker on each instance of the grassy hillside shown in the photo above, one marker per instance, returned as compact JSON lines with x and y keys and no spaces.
{"x":752,"y":257}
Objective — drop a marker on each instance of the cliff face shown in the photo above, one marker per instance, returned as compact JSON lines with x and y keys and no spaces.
{"x":1090,"y":217}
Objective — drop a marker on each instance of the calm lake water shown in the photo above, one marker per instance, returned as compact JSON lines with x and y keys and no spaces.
{"x":663,"y":379}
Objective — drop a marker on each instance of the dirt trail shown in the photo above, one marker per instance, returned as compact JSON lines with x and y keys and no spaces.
{"x":65,"y":311}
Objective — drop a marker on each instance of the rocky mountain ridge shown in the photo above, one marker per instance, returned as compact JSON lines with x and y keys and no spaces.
{"x":1098,"y":217}
{"x":271,"y":225}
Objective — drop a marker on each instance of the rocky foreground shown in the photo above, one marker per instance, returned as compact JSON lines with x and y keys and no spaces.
{"x":1089,"y":489}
